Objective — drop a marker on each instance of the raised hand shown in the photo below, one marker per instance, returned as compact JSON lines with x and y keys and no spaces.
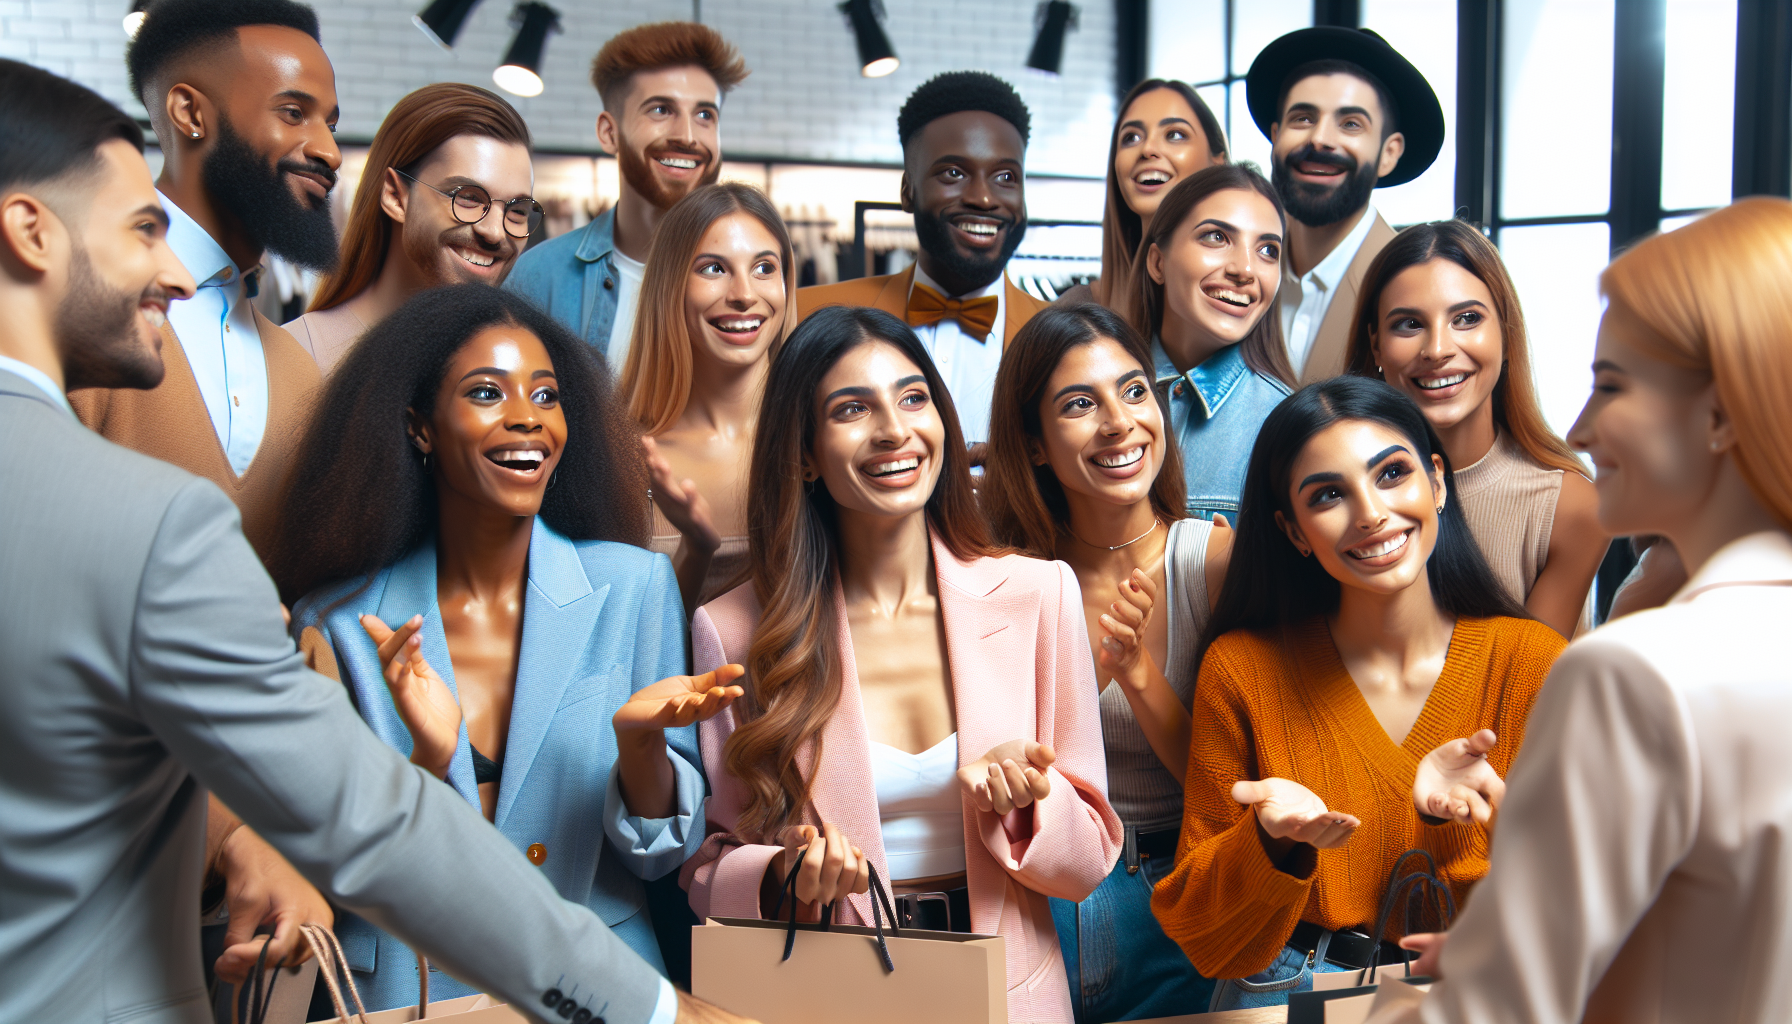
{"x":832,"y":867}
{"x":1291,"y":811}
{"x":680,"y":700}
{"x":680,"y":503}
{"x":425,"y":704}
{"x":1009,"y":777}
{"x":1123,"y":649}
{"x":1455,"y":782}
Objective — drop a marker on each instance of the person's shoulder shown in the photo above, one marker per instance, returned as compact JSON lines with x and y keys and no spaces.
{"x":1026,"y":304}
{"x":541,"y":262}
{"x":1523,"y":650}
{"x":615,"y":562}
{"x":731,"y":619}
{"x":134,"y":484}
{"x":859,"y":291}
{"x":332,"y":603}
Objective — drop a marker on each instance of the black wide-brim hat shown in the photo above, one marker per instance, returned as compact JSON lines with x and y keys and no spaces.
{"x":1421,"y":119}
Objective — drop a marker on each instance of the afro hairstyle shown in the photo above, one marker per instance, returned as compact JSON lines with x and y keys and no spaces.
{"x":664,"y":44}
{"x":954,"y":92}
{"x":174,"y":28}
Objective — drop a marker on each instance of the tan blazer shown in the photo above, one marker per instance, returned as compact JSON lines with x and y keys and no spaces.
{"x":170,"y":422}
{"x":889,"y":293}
{"x":1326,"y":359}
{"x":1018,"y":649}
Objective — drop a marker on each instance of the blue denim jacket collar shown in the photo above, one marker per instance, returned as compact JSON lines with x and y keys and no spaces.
{"x":1212,"y":382}
{"x":599,"y":237}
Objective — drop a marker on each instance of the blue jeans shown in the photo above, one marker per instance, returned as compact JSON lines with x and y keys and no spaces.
{"x":1120,"y":963}
{"x":1289,"y":974}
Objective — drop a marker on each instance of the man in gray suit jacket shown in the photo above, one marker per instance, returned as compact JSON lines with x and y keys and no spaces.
{"x":143,"y":661}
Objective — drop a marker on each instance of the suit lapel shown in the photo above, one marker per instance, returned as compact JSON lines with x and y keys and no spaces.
{"x":560,"y":610}
{"x":892,"y":298}
{"x":1326,"y":359}
{"x":990,"y":638}
{"x":411,"y":590}
{"x":1018,"y":308}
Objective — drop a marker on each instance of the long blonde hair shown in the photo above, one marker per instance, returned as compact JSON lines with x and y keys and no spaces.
{"x":657,"y":374}
{"x":1717,"y":293}
{"x":1514,"y":398}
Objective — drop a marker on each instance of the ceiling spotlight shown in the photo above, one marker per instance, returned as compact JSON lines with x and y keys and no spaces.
{"x":1055,"y":18}
{"x":442,"y":19}
{"x":520,"y":74}
{"x":877,"y":57}
{"x":134,"y":20}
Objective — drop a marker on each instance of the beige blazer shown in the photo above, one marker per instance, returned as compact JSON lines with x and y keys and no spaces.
{"x":1333,"y":341}
{"x":1018,"y":649}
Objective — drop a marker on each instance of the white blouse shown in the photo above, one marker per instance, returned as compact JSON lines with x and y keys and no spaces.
{"x":1640,"y":863}
{"x":921,"y":810}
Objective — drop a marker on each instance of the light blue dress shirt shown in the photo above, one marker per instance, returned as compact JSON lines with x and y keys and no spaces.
{"x":38,"y":377}
{"x":1216,"y":410}
{"x":217,"y":331}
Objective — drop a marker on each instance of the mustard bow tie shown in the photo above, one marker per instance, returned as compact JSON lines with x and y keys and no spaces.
{"x":976,"y":317}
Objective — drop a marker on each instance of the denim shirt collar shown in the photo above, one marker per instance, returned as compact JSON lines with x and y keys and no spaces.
{"x":600,"y":237}
{"x":1212,"y":382}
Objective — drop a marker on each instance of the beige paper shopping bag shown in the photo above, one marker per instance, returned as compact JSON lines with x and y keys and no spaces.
{"x":837,"y":974}
{"x":474,"y":1009}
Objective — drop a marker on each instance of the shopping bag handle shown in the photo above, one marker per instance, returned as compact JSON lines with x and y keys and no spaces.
{"x":251,"y":1000}
{"x":1425,"y":881}
{"x":331,"y":962}
{"x":881,"y":907}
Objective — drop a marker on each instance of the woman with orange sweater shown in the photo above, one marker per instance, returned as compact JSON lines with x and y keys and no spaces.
{"x":1363,"y":656}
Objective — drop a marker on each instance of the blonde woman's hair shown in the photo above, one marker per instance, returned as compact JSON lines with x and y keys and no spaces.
{"x":657,"y":374}
{"x":1717,"y":293}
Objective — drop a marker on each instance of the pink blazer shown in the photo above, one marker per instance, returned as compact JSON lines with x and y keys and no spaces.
{"x":1019,"y":654}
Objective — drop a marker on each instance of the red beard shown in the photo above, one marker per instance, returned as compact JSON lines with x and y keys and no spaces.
{"x":637,"y":170}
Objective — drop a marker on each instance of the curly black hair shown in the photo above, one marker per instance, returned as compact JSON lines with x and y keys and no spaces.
{"x":358,"y":497}
{"x":957,"y":91}
{"x":172,"y":29}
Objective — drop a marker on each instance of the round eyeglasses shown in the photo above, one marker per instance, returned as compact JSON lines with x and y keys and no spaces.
{"x":471,"y":203}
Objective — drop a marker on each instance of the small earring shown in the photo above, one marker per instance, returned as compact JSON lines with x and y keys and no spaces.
{"x":556,"y":475}
{"x":1440,"y":510}
{"x":1716,"y":447}
{"x":195,"y":135}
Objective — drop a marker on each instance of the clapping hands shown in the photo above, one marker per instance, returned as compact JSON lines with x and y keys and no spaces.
{"x":1009,"y":777}
{"x":1123,"y":649}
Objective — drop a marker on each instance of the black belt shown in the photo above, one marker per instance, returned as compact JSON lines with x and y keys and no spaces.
{"x":948,"y":911}
{"x":1157,"y":843}
{"x":1348,"y":948}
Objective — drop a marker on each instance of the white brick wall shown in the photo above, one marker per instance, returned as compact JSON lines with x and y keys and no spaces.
{"x":804,"y":101}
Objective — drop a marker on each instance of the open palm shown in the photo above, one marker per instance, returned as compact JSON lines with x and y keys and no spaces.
{"x":1455,"y":782}
{"x":425,"y":704}
{"x":679,"y":700}
{"x":1289,"y":810}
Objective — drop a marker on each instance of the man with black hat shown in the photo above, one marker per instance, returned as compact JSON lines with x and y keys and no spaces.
{"x":1345,"y":115}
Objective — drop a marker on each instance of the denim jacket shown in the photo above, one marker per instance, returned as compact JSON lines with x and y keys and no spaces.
{"x":1216,"y":410}
{"x":574,"y":279}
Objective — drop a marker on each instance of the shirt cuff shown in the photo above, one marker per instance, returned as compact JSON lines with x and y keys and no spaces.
{"x":665,"y":1010}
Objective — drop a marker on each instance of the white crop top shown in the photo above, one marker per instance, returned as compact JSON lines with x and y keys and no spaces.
{"x":922,"y":812}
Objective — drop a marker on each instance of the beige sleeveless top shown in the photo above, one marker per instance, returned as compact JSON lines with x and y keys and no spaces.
{"x":727,"y":568}
{"x":1510,"y":502}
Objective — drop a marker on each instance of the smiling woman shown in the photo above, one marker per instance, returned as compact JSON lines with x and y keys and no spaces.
{"x":464,"y":531}
{"x":715,"y":306}
{"x":1363,"y":663}
{"x":1439,"y":320}
{"x":1207,"y":297}
{"x":950,"y":680}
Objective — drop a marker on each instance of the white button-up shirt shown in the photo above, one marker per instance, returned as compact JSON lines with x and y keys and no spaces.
{"x":1306,"y":299}
{"x":217,"y":331}
{"x":967,"y":363}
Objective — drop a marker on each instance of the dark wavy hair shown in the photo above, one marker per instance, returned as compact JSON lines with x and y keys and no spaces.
{"x":1024,"y":503}
{"x":358,"y":496}
{"x":793,"y":663}
{"x":1270,"y":586}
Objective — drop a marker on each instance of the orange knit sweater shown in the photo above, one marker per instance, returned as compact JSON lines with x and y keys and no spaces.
{"x":1282,"y":705}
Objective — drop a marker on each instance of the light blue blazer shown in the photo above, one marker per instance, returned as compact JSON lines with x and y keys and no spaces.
{"x":600,"y":621}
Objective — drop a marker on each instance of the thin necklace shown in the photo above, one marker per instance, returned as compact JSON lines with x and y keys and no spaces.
{"x":1154,"y":525}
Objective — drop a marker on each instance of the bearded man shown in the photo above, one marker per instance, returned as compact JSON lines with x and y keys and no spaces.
{"x":964,"y":145}
{"x":662,"y":87}
{"x":243,"y":102}
{"x":1345,"y":114}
